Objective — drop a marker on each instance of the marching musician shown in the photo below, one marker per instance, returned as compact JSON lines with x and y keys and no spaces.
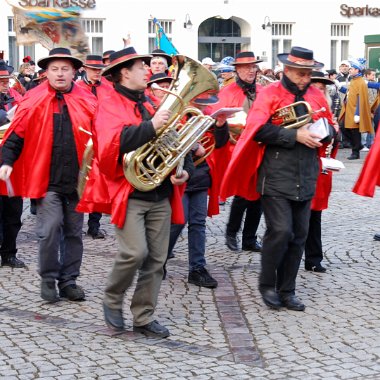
{"x":125,"y":122}
{"x":242,"y":93}
{"x":92,"y":81}
{"x":284,"y":170}
{"x":10,"y":207}
{"x":203,"y":182}
{"x":41,"y":154}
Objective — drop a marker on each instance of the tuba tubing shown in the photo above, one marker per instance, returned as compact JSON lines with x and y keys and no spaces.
{"x":148,"y":166}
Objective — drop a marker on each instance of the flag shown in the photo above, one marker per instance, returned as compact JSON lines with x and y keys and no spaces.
{"x":51,"y":27}
{"x":162,"y":41}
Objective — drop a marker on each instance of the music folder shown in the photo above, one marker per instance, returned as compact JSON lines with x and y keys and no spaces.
{"x":321,"y":128}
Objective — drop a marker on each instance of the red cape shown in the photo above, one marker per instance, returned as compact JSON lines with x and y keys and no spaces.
{"x":107,"y":189}
{"x":241,"y":175}
{"x":33,"y":122}
{"x":102,"y":91}
{"x":369,"y":176}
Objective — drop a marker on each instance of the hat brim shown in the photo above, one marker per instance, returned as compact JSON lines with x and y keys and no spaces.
{"x":283,"y":58}
{"x":321,"y":80}
{"x":160,"y":80}
{"x":213,"y":99}
{"x":247,"y":62}
{"x":43,"y":62}
{"x":114,"y":66}
{"x":95,"y":66}
{"x":166,"y":56}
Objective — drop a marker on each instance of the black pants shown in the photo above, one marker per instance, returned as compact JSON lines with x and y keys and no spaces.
{"x":313,"y":246}
{"x":355,"y":138}
{"x":10,"y":211}
{"x":94,"y":221}
{"x":283,"y":244}
{"x":252,"y":218}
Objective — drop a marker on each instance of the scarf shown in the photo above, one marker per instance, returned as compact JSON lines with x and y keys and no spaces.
{"x":92,"y":85}
{"x":293,"y":89}
{"x":137,"y":96}
{"x":249,"y":89}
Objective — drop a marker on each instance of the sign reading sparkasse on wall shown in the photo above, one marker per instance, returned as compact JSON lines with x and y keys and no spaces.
{"x":347,"y":11}
{"x":58,"y":3}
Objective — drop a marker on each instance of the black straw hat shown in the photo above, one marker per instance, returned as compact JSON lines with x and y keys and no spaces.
{"x":300,"y":58}
{"x":94,"y":62}
{"x":161,"y":53}
{"x":318,"y":76}
{"x":158,"y":78}
{"x":5,"y":70}
{"x":245,"y":57}
{"x":107,"y":54}
{"x":60,"y":53}
{"x":122,"y":56}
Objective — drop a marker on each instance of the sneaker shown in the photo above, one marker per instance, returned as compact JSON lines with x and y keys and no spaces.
{"x":201,"y":277}
{"x":12,"y":262}
{"x":73,"y":293}
{"x":364,"y":149}
{"x":153,"y":329}
{"x":49,"y":291}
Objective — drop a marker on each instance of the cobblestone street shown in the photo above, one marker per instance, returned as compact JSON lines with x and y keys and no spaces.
{"x":226,"y":333}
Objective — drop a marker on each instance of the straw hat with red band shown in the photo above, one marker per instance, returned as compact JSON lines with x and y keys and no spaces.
{"x":60,"y":53}
{"x":158,"y":78}
{"x":107,"y":54}
{"x":94,"y":62}
{"x":300,"y":58}
{"x":118,"y":58}
{"x":319,"y":77}
{"x":245,"y":57}
{"x":4,"y":71}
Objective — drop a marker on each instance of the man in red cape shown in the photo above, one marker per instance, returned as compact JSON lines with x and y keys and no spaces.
{"x":125,"y":122}
{"x":281,"y":165}
{"x":10,"y":207}
{"x":41,"y":153}
{"x":93,"y":82}
{"x":369,"y":176}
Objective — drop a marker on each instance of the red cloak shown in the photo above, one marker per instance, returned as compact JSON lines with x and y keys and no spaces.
{"x":241,"y":175}
{"x":107,"y":190}
{"x":33,"y":122}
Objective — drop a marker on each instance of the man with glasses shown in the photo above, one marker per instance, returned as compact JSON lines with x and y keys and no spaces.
{"x":242,"y":93}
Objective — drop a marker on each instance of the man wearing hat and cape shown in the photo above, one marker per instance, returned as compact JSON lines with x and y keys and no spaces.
{"x":93,"y":81}
{"x":242,"y":93}
{"x":125,"y":122}
{"x":41,"y":154}
{"x":283,"y":169}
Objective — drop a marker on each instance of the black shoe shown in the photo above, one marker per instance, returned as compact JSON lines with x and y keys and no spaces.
{"x":271,"y":298}
{"x":49,"y":291}
{"x":201,"y":277}
{"x":255,"y":246}
{"x":114,"y":318}
{"x":231,"y":242}
{"x":292,"y":303}
{"x":171,"y":255}
{"x":377,"y":237}
{"x":354,"y":156}
{"x":12,"y":262}
{"x":316,"y":268}
{"x":95,"y":233}
{"x":73,"y":293}
{"x":153,"y":329}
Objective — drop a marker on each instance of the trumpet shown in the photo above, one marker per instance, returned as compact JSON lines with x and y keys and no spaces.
{"x":294,"y":115}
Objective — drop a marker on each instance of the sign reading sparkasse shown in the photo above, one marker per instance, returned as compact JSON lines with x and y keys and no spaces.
{"x":58,"y":3}
{"x":347,"y":11}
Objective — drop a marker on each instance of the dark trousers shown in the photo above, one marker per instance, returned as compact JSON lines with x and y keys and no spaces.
{"x":10,"y":211}
{"x":253,"y":213}
{"x":94,"y":221}
{"x":313,"y":246}
{"x":355,"y":138}
{"x":283,"y":244}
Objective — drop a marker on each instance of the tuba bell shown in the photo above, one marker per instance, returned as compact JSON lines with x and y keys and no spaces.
{"x":148,"y":166}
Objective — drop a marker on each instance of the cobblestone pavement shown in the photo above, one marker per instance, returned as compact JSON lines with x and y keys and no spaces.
{"x":226,"y":333}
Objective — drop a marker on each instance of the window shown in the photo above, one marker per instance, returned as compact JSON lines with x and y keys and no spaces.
{"x":167,"y":26}
{"x":339,"y":45}
{"x":93,"y":29}
{"x":281,"y":39}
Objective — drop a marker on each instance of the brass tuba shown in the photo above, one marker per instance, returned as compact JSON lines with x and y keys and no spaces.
{"x":294,"y":115}
{"x":148,"y":166}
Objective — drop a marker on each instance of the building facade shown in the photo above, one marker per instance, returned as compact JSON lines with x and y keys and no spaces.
{"x":217,"y":28}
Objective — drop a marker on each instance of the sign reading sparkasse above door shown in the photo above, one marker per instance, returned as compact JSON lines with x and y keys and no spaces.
{"x":347,"y":11}
{"x":58,"y":3}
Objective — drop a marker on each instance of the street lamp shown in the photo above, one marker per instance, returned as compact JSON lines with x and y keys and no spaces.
{"x":187,"y":24}
{"x":266,"y":23}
